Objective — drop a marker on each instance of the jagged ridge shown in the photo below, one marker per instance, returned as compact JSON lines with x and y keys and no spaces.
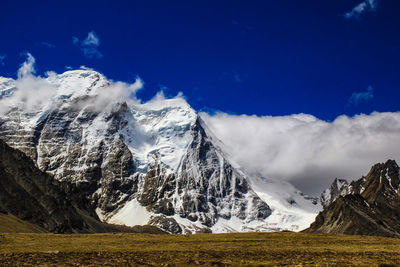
{"x":372,"y":206}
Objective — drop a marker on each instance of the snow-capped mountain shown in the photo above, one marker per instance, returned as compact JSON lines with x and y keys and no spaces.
{"x":143,"y":163}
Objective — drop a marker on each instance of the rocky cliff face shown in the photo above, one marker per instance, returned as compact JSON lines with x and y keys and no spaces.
{"x":34,"y":196}
{"x":205,"y":188}
{"x":139,"y":163}
{"x":339,"y":187}
{"x":45,"y":204}
{"x":372,"y":206}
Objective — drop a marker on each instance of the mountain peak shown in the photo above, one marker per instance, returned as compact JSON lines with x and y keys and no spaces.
{"x":339,"y":187}
{"x":389,"y":164}
{"x":381,"y":180}
{"x":370,"y":205}
{"x":83,"y":72}
{"x":77,"y":83}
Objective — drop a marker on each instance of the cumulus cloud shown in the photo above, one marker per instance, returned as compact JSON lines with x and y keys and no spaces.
{"x":307,"y":151}
{"x":89,"y":46}
{"x":2,"y":58}
{"x":27,"y":68}
{"x":358,"y":10}
{"x":357,"y":98}
{"x":35,"y":92}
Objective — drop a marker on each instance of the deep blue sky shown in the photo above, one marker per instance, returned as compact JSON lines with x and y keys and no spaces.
{"x":254,"y":57}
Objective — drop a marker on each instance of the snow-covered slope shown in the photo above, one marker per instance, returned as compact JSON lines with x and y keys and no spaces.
{"x":291,"y":209}
{"x":7,"y":86}
{"x":154,"y":162}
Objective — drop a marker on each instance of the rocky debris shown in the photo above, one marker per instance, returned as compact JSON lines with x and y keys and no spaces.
{"x":372,"y":207}
{"x":167,"y":223}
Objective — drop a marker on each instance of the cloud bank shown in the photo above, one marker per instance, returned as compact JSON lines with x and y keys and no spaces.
{"x":307,"y":151}
{"x":358,"y":10}
{"x":89,"y":46}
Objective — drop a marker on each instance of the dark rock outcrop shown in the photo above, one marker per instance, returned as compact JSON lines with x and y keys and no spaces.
{"x":164,"y":222}
{"x":36,"y":197}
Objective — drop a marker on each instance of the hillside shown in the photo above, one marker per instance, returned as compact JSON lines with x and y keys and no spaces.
{"x":33,"y":201}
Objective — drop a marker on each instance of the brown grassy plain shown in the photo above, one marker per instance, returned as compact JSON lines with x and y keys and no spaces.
{"x":241,"y":249}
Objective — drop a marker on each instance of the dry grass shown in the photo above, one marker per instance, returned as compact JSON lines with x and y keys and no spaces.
{"x":11,"y":224}
{"x":252,"y":249}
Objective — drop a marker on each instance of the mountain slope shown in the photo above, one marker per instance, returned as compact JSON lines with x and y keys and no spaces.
{"x":32,"y":201}
{"x":34,"y":196}
{"x":140,"y":163}
{"x":11,"y":224}
{"x":372,"y":206}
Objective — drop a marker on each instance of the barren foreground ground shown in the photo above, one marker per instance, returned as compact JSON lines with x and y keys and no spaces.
{"x":258,"y":249}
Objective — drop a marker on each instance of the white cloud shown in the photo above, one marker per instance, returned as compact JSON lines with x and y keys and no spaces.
{"x":305,"y":150}
{"x":2,"y":58}
{"x":367,"y":5}
{"x":28,"y":67}
{"x":359,"y":97}
{"x":115,"y":91}
{"x":89,"y":45}
{"x":91,"y":40}
{"x":34,"y":92}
